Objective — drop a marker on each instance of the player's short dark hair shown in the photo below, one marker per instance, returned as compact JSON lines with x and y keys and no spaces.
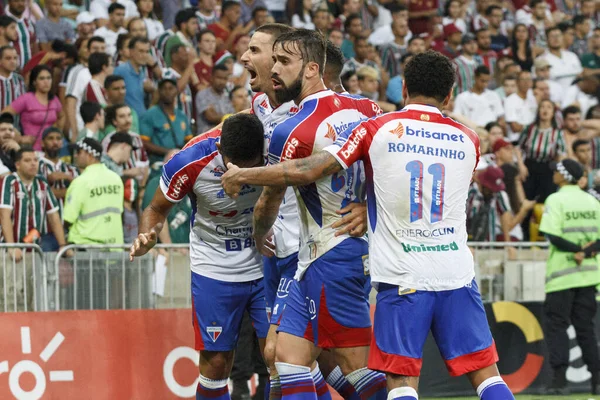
{"x":93,"y":39}
{"x":335,"y":59}
{"x":227,"y":4}
{"x":4,"y":48}
{"x":311,"y":44}
{"x":571,"y":110}
{"x":5,"y":21}
{"x":111,"y":79}
{"x":137,"y":40}
{"x":21,"y":152}
{"x":482,"y":70}
{"x":111,"y":113}
{"x":202,"y":33}
{"x":183,"y":16}
{"x":219,"y":67}
{"x":274,"y":29}
{"x":579,"y":142}
{"x":89,"y":110}
{"x":349,"y":20}
{"x":579,"y":19}
{"x":490,"y":9}
{"x":257,"y":10}
{"x":115,"y":6}
{"x":429,"y":74}
{"x":242,"y":138}
{"x":97,"y":61}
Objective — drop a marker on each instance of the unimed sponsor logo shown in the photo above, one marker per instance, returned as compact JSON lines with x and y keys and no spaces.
{"x":421,"y":248}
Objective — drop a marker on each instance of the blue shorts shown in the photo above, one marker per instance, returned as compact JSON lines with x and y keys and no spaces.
{"x":286,"y":268}
{"x":218,"y":308}
{"x":271,"y":278}
{"x":456,"y":318}
{"x":328,"y":306}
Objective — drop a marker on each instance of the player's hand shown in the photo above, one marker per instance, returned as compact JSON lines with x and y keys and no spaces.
{"x":266,"y":244}
{"x":231,"y":180}
{"x":144,"y":242}
{"x":354,"y":222}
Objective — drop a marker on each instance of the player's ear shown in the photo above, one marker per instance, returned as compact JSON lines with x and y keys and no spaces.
{"x":311,"y":70}
{"x":404,"y":91}
{"x":447,"y":99}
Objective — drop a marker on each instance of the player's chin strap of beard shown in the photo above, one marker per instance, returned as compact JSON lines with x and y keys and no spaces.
{"x":87,"y":148}
{"x":566,"y":174}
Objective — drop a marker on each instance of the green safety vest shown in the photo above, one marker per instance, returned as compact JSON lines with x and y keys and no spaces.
{"x":93,"y":205}
{"x":573,"y":215}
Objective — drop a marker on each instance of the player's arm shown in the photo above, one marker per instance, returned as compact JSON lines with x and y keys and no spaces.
{"x":298,"y":172}
{"x":151,"y":224}
{"x":264,"y":216}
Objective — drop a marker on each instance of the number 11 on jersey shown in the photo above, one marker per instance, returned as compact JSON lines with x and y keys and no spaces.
{"x":438,"y":172}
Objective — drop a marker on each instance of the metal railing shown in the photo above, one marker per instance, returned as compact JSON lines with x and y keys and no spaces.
{"x":20,"y":283}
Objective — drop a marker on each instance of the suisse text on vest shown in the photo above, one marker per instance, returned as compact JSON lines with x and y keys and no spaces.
{"x":101,"y":190}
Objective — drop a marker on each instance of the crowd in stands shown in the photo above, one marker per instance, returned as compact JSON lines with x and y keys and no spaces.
{"x":144,"y":78}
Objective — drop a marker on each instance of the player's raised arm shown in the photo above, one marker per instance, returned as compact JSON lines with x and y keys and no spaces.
{"x":151,"y":224}
{"x":288,"y":173}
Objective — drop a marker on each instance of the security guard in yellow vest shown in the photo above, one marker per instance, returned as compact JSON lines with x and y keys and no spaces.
{"x":571,"y":222}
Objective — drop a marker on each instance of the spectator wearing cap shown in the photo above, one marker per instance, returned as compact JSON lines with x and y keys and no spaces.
{"x":542,"y":71}
{"x":207,"y":47}
{"x":570,"y":222}
{"x":26,"y":43}
{"x":116,"y":91}
{"x":465,"y":64}
{"x":187,"y":29}
{"x":39,"y":108}
{"x":59,"y":174}
{"x":137,"y":165}
{"x":520,"y":108}
{"x":565,"y":64}
{"x":85,"y":25}
{"x":53,"y":26}
{"x":164,"y":126}
{"x":480,"y":104}
{"x":8,"y":145}
{"x":182,"y":71}
{"x":93,"y":117}
{"x":591,"y":61}
{"x":213,"y":102}
{"x":489,"y":212}
{"x":391,"y":53}
{"x":582,"y":32}
{"x":450,"y":47}
{"x":134,"y":74}
{"x":582,"y":93}
{"x":94,"y":201}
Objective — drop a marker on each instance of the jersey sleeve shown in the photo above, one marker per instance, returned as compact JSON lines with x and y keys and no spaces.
{"x":551,"y":219}
{"x":52,"y":204}
{"x":6,"y":197}
{"x":502,"y":203}
{"x":369,"y":108}
{"x":73,"y":202}
{"x":352,"y":145}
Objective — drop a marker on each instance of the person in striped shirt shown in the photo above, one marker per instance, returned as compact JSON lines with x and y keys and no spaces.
{"x":207,"y":13}
{"x":183,"y":72}
{"x":26,"y":43}
{"x":161,"y":40}
{"x":542,"y":142}
{"x":487,"y":56}
{"x":12,"y":85}
{"x":392,"y":53}
{"x":100,"y":66}
{"x":465,"y":64}
{"x":8,"y":31}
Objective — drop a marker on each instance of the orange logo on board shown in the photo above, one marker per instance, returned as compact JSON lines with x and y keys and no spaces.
{"x":398,"y":131}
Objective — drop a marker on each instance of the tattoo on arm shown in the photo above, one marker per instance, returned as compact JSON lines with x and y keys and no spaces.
{"x":309,"y":169}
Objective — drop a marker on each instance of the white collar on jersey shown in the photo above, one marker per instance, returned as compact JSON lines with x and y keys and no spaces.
{"x":318,"y":95}
{"x":422,"y":107}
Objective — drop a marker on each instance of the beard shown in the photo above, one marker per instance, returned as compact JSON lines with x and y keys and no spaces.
{"x":289,"y":93}
{"x":52,"y":154}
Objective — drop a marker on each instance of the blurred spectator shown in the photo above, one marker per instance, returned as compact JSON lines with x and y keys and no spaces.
{"x":134,"y":74}
{"x":100,"y":66}
{"x":353,"y":27}
{"x":453,"y":14}
{"x":154,"y":62}
{"x":349,"y":8}
{"x":541,"y":90}
{"x":213,"y":102}
{"x":589,"y":9}
{"x":53,"y":26}
{"x":478,"y":16}
{"x":451,"y":46}
{"x":39,"y":108}
{"x":207,"y":47}
{"x":93,"y":118}
{"x":499,"y":37}
{"x":28,"y":206}
{"x":582,"y":31}
{"x":565,"y":64}
{"x":419,"y":14}
{"x":394,"y":87}
{"x":101,"y":10}
{"x":520,"y":108}
{"x":504,"y":157}
{"x":260,"y":16}
{"x":8,"y":145}
{"x":582,"y":152}
{"x":239,"y":99}
{"x":229,"y":27}
{"x":161,"y":41}
{"x":465,"y":64}
{"x":336,"y":37}
{"x":26,"y":43}
{"x":522,"y":52}
{"x":154,"y":27}
{"x":206,"y":13}
{"x":361,"y":51}
{"x":51,"y":57}
{"x":385,"y":34}
{"x":480,"y":104}
{"x":303,"y":16}
{"x":130,"y":210}
{"x":368,"y":83}
{"x":509,"y":86}
{"x":416,"y":45}
{"x":248,"y":7}
{"x":488,"y":56}
{"x":241,"y":76}
{"x":537,"y":21}
{"x":322,"y":21}
{"x":187,"y":29}
{"x":591,"y":60}
{"x":115,"y":94}
{"x":542,"y":71}
{"x":12,"y":84}
{"x":164,"y":126}
{"x":118,"y":152}
{"x":583,"y":93}
{"x":571,"y":128}
{"x":350,"y":82}
{"x":541,"y":142}
{"x":333,"y":69}
{"x":115,"y":26}
{"x":568,"y":34}
{"x":182,"y":72}
{"x":85,"y":25}
{"x":59,"y":174}
{"x":94,"y":201}
{"x":8,"y":33}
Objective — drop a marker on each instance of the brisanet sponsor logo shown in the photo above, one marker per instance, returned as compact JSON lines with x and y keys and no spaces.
{"x":449,"y":137}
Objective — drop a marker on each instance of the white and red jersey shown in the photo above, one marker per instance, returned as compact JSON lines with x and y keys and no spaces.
{"x":419,"y":165}
{"x":287,"y":226}
{"x":319,"y":119}
{"x":221,"y":244}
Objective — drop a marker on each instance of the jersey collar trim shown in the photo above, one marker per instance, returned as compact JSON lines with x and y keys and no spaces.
{"x":422,"y":107}
{"x":315,"y":96}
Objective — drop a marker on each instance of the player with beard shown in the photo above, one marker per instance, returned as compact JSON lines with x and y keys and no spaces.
{"x":332,"y":268}
{"x":280,"y":269}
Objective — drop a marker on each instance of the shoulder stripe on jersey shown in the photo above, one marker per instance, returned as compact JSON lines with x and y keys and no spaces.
{"x":189,"y":159}
{"x":284,"y":130}
{"x":213,"y":133}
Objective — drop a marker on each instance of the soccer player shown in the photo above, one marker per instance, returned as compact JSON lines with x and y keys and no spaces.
{"x":280,"y":270}
{"x":334,"y":283}
{"x":226,"y":267}
{"x":419,"y":258}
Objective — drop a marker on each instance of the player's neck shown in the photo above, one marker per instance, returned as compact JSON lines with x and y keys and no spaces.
{"x":272,"y":99}
{"x":312,"y":88}
{"x":423,"y":100}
